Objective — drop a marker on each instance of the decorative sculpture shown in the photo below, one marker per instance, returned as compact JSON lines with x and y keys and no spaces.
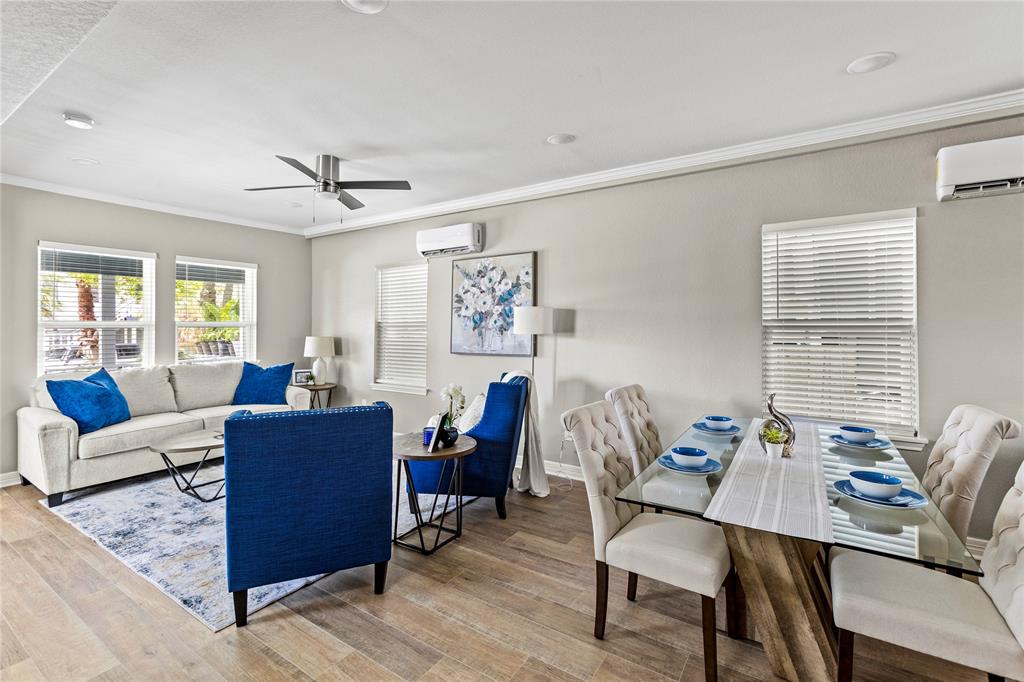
{"x":781,"y":422}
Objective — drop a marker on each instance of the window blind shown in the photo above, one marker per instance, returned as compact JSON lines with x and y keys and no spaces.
{"x":95,"y":308}
{"x":839,"y":319}
{"x":214,"y":310}
{"x":400,"y":334}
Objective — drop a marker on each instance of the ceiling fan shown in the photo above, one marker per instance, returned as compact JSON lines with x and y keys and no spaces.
{"x":328,"y":182}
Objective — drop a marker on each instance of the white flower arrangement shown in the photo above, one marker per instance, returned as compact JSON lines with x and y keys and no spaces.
{"x":456,"y":399}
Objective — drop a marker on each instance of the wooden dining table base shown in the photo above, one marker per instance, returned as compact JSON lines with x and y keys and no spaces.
{"x":787,"y":593}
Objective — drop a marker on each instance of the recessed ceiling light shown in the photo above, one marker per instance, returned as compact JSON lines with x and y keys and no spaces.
{"x":561,"y":138}
{"x":85,"y":161}
{"x":80,"y":121}
{"x":366,"y":6}
{"x":296,"y":204}
{"x":871,"y":62}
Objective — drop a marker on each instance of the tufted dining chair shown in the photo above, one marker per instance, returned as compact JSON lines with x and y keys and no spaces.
{"x":683,"y":552}
{"x":959,"y":461}
{"x":980,"y":625}
{"x":637,"y":422}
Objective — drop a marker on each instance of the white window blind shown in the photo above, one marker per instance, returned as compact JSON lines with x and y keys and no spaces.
{"x":400,"y":343}
{"x":839,"y":319}
{"x":95,"y":308}
{"x":214,"y":310}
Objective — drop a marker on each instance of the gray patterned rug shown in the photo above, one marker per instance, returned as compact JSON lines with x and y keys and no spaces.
{"x":177,"y":542}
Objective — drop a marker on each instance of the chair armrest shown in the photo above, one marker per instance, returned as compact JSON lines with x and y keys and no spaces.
{"x":47,"y":443}
{"x":297,"y":397}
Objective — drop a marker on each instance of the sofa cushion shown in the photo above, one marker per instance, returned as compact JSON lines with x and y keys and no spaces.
{"x":93,"y":402}
{"x":147,"y":390}
{"x":139,"y":432}
{"x":205,"y":385}
{"x":41,"y":397}
{"x":261,"y":385}
{"x":213,"y":417}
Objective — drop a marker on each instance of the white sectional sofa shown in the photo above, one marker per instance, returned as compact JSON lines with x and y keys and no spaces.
{"x":163,"y":401}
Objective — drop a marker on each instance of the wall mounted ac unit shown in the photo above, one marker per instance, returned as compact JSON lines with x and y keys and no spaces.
{"x":980,"y":169}
{"x":451,"y":240}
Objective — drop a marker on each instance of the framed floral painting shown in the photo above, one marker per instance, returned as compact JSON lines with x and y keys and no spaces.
{"x":484,"y":292}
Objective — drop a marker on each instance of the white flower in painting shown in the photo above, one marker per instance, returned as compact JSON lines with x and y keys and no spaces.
{"x":526,"y":273}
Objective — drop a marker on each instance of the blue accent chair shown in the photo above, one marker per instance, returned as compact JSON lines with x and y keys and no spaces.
{"x":308,"y":492}
{"x":488,"y":471}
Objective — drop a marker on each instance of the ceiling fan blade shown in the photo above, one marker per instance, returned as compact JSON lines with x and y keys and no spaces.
{"x":350,"y":201}
{"x":375,"y":184}
{"x":260,"y":189}
{"x":299,"y":166}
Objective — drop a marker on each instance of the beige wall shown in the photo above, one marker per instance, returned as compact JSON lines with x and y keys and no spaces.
{"x":641,"y":264}
{"x":29,"y":216}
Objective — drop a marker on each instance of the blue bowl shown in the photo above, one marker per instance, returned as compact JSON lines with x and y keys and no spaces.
{"x":689,"y":457}
{"x":857,"y":434}
{"x":876,"y":484}
{"x":718,"y":422}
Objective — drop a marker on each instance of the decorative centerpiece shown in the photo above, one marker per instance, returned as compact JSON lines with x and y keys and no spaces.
{"x":782,"y":429}
{"x":773,"y":439}
{"x":456,"y":399}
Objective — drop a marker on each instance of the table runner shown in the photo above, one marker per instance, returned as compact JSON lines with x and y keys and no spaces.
{"x":780,"y":495}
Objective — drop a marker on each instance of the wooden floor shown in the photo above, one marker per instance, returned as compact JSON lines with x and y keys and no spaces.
{"x":511,"y":600}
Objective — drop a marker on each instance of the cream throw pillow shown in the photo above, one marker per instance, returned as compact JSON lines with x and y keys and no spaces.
{"x":473,"y":414}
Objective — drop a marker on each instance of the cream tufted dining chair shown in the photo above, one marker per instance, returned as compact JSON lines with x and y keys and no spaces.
{"x":679,"y":551}
{"x":980,"y":625}
{"x":637,"y":422}
{"x":959,"y":461}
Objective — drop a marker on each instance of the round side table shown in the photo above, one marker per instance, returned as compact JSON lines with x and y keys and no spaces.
{"x":314,"y":394}
{"x":409,"y":447}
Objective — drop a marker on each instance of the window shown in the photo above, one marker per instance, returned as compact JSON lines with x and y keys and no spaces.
{"x":95,"y":308}
{"x":839,"y":319}
{"x":214,"y":310}
{"x":400,"y":330}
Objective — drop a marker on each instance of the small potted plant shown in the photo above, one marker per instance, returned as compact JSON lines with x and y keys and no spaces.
{"x":774,"y":440}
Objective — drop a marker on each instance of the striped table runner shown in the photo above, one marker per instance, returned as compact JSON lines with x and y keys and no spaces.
{"x":779,"y":495}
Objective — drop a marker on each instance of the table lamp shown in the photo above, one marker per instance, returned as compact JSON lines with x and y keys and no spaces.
{"x":319,"y":347}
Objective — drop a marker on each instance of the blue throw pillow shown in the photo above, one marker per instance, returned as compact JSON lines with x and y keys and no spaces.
{"x":261,"y":386}
{"x":93,"y":402}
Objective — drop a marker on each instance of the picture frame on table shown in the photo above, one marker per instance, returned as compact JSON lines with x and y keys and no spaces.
{"x":302,"y":377}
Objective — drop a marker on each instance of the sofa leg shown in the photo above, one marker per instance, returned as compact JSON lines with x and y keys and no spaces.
{"x":241,"y":599}
{"x":631,"y":586}
{"x":380,"y":576}
{"x":25,"y":481}
{"x":499,"y":504}
{"x":707,"y":612}
{"x":845,"y":669}
{"x":601,"y":603}
{"x":54,"y":500}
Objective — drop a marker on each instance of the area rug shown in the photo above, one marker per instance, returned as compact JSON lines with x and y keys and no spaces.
{"x":177,"y":542}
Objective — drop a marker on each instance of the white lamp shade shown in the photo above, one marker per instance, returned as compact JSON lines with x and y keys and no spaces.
{"x":533,"y":319}
{"x":319,"y":347}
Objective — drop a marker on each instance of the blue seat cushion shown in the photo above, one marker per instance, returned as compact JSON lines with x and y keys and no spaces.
{"x":93,"y":402}
{"x":263,"y":386}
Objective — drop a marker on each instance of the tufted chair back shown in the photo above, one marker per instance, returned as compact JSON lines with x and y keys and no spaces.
{"x":1003,"y":560}
{"x":959,"y":461}
{"x":607,"y":468}
{"x":637,"y":422}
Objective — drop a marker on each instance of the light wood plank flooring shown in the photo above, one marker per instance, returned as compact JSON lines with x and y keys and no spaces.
{"x":511,"y":600}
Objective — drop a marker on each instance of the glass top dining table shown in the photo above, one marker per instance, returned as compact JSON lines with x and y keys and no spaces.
{"x":918,"y":535}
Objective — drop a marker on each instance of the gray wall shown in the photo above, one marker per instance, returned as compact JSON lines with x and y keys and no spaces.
{"x":29,"y":216}
{"x":640,"y":264}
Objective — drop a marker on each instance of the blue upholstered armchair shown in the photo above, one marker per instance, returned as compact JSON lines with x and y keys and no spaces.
{"x":488,"y":471}
{"x":308,"y":492}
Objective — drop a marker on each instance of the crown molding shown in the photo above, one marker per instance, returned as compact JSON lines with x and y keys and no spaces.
{"x":678,"y":164}
{"x":32,"y":183}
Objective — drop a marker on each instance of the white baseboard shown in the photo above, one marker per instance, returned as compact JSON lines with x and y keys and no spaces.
{"x":557,"y":469}
{"x":10,"y":478}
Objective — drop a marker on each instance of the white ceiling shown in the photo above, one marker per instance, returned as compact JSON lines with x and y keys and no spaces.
{"x":193,"y":99}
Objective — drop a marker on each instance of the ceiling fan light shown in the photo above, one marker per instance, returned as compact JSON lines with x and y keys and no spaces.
{"x":366,"y":6}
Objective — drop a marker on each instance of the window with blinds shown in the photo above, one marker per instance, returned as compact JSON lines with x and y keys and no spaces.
{"x":95,"y":308}
{"x":214,"y":310}
{"x":400,"y":331}
{"x":839,"y":319}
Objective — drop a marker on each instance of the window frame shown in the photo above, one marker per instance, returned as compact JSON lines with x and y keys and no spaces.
{"x":396,"y":387}
{"x":147,"y":353}
{"x":248,"y":326}
{"x":899,"y":219}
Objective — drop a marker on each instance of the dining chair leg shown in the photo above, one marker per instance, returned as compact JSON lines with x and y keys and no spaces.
{"x":707,"y":612}
{"x":845,"y":663}
{"x":996,"y":678}
{"x":735,"y":606}
{"x":601,"y":605}
{"x":631,"y":587}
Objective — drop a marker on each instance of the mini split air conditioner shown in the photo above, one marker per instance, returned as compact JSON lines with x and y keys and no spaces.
{"x":451,"y":240}
{"x":980,"y":169}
